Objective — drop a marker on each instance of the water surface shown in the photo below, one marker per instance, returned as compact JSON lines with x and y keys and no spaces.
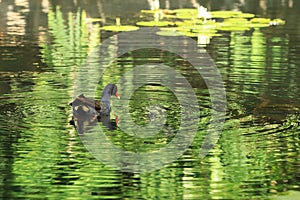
{"x":43,"y":43}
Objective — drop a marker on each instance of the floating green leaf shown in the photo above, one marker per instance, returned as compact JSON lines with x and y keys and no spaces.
{"x":186,"y":22}
{"x":260,"y":20}
{"x":194,"y":22}
{"x":258,"y":25}
{"x":119,"y":28}
{"x":233,"y":28}
{"x":198,"y":28}
{"x":186,"y":32}
{"x":199,"y":34}
{"x":276,"y":22}
{"x":155,"y":23}
{"x":186,"y":13}
{"x":234,"y":24}
{"x":231,"y":14}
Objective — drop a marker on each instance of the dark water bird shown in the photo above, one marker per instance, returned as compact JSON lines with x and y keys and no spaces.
{"x":87,"y":111}
{"x":108,"y":91}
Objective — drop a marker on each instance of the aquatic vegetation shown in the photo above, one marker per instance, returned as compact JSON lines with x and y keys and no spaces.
{"x":198,"y":23}
{"x":276,"y":22}
{"x":234,"y":24}
{"x":155,"y":5}
{"x":260,"y":20}
{"x":115,"y":28}
{"x":119,"y":28}
{"x":201,"y":23}
{"x":231,"y":14}
{"x":203,"y":13}
{"x":186,"y":13}
{"x":155,"y":23}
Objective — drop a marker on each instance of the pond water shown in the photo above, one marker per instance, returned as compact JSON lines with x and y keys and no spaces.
{"x":43,"y":44}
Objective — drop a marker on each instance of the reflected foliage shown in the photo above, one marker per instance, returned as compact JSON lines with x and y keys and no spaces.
{"x":256,"y":157}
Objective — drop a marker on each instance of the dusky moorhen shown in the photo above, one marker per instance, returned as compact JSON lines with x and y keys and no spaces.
{"x":86,"y":110}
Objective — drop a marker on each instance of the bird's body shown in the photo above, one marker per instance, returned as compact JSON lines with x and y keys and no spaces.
{"x":86,"y":110}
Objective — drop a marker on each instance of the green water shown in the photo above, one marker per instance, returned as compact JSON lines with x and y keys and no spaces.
{"x":44,"y":43}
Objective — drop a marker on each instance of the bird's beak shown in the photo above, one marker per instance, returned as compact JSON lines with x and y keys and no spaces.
{"x":117,"y":120}
{"x":117,"y":95}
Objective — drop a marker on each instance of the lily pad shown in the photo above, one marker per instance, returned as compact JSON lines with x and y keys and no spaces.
{"x":186,"y":13}
{"x":233,"y":21}
{"x":245,"y":15}
{"x":155,"y":23}
{"x":185,"y":21}
{"x":198,"y":29}
{"x":258,"y":25}
{"x":233,"y":28}
{"x":260,"y":20}
{"x":180,"y":31}
{"x":120,"y":28}
{"x":192,"y":22}
{"x":234,"y":24}
{"x":276,"y":22}
{"x":197,"y":22}
{"x":231,"y":14}
{"x":188,"y":34}
{"x":204,"y":34}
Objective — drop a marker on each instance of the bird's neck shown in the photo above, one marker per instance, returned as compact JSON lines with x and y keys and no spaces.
{"x":105,"y":98}
{"x":106,"y":95}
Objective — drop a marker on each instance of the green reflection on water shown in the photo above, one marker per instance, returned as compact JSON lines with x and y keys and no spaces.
{"x":42,"y":157}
